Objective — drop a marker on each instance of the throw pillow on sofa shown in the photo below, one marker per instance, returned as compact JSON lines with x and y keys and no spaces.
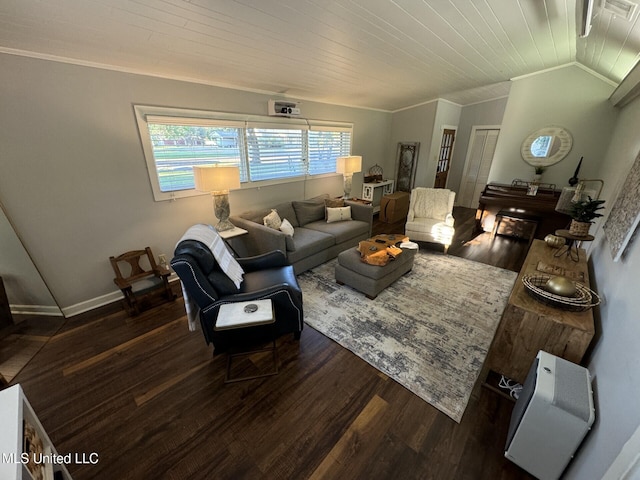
{"x":332,"y":203}
{"x":308,"y":211}
{"x":286,"y":227}
{"x":338,"y":214}
{"x":272,"y":220}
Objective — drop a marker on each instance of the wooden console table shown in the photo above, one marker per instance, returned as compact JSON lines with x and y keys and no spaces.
{"x":528,"y":325}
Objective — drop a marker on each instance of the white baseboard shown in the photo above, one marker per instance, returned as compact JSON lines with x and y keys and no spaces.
{"x":48,"y":310}
{"x":100,"y":301}
{"x":92,"y":303}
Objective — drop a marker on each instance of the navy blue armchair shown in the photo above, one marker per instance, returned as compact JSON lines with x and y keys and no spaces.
{"x":267,"y":276}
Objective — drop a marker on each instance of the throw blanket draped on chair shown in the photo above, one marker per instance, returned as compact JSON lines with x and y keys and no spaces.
{"x":429,"y":203}
{"x":228,"y":264}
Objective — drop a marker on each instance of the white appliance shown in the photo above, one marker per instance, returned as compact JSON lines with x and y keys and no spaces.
{"x":284,"y":108}
{"x":551,"y":417}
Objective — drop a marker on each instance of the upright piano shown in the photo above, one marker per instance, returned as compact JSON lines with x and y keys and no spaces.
{"x":496,"y":197}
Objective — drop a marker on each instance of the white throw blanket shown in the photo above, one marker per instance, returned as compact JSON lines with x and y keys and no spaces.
{"x":228,"y":264}
{"x":429,"y":203}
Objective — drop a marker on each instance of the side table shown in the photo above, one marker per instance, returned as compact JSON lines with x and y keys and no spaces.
{"x":368,"y":190}
{"x":227,"y":235}
{"x":571,"y":244}
{"x":245,"y":315}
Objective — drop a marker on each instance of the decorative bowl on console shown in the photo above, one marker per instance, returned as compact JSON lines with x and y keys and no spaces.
{"x":583,"y":299}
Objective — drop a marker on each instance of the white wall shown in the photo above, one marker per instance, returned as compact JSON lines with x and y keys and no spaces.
{"x":74,"y":178}
{"x":569,"y":97}
{"x":414,"y":125}
{"x":616,"y":356}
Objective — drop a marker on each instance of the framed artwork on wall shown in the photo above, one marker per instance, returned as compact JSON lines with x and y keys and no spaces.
{"x":407,"y":160}
{"x":620,"y":227}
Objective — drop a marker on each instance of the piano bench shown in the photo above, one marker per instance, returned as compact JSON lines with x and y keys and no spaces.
{"x":515,"y":224}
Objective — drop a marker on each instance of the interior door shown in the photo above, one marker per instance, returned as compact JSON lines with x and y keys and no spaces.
{"x":476,"y":174}
{"x":444,"y":158}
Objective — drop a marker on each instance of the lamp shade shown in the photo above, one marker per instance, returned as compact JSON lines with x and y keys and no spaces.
{"x":216,"y":179}
{"x":350,"y":164}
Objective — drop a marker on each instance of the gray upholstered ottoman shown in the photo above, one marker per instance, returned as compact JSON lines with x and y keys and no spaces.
{"x":371,"y":279}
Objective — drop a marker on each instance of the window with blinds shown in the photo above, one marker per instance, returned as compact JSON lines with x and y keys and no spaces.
{"x":264,"y":149}
{"x":177,"y":148}
{"x":275,"y":153}
{"x":324,"y":146}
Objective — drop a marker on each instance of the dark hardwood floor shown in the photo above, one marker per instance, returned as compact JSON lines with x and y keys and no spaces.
{"x":147,"y":396}
{"x":503,"y":252}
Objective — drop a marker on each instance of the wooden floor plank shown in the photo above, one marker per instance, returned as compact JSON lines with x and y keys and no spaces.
{"x":102,"y":356}
{"x":158,"y":389}
{"x":350,"y":449}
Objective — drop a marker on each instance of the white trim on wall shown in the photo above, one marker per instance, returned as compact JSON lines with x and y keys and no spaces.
{"x":44,"y":310}
{"x":560,"y":67}
{"x":100,"y":301}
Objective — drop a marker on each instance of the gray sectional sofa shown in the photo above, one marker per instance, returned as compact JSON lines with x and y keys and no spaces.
{"x":314,"y":240}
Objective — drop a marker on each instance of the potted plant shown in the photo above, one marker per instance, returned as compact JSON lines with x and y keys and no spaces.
{"x":582,"y":214}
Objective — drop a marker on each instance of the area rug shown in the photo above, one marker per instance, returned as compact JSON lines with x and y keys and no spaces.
{"x":430,"y":330}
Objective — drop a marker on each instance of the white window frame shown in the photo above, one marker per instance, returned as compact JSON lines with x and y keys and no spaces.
{"x":145,"y":113}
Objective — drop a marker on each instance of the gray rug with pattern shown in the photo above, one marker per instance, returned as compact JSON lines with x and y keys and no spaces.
{"x":430,"y":330}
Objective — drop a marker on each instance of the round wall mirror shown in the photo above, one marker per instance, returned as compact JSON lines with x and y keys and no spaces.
{"x":546,"y":146}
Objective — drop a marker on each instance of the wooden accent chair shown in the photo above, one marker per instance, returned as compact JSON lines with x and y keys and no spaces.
{"x":146,"y":277}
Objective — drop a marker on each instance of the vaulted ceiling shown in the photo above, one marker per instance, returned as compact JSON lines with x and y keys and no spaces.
{"x":381,"y":54}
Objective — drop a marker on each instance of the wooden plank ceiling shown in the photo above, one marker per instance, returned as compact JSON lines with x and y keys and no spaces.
{"x":381,"y":54}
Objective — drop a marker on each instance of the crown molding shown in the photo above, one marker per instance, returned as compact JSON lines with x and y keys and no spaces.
{"x":567,"y":65}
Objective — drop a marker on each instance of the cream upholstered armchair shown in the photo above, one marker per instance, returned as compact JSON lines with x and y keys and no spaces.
{"x":430,"y":216}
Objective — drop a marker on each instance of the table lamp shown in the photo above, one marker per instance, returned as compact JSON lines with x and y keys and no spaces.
{"x":218,"y":181}
{"x":347,"y":166}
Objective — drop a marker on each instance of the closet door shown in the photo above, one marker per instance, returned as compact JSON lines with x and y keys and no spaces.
{"x":476,"y":174}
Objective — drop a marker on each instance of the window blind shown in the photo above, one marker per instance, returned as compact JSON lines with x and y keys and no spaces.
{"x":325,"y":145}
{"x":179,"y":146}
{"x":275,"y":153}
